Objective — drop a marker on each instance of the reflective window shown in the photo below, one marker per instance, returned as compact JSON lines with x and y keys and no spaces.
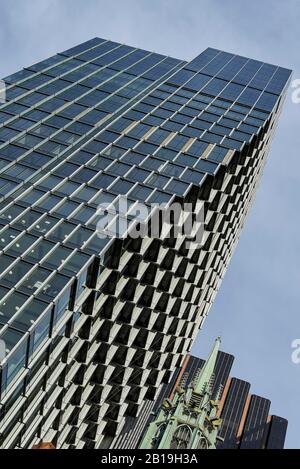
{"x":17,"y":360}
{"x":42,"y":328}
{"x":197,"y":148}
{"x":39,"y":251}
{"x":138,"y":174}
{"x":179,"y":188}
{"x":20,"y":246}
{"x":62,"y":303}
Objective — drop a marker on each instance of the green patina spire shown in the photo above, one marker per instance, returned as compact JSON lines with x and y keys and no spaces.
{"x":207,"y":371}
{"x":188,"y":420}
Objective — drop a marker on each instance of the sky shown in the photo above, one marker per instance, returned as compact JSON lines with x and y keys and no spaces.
{"x":257,"y":309}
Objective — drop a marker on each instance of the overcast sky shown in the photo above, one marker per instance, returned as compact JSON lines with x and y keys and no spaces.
{"x":257,"y":308}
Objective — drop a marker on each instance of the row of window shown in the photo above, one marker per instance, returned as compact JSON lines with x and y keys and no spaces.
{"x":35,"y":315}
{"x":78,"y":74}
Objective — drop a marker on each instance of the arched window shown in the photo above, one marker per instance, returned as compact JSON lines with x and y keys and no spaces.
{"x":158,"y":435}
{"x":182,"y":437}
{"x":202,"y":444}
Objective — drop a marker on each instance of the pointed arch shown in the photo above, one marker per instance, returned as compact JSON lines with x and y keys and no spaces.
{"x":181,"y":437}
{"x":202,"y":443}
{"x":158,"y":435}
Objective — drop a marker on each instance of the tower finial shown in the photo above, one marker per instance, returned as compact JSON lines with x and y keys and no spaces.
{"x":208,"y":369}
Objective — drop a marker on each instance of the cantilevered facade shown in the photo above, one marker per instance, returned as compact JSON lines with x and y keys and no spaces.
{"x":91,"y":327}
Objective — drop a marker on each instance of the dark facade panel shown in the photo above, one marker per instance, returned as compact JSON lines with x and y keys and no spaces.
{"x":222,"y":371}
{"x":232,"y":413}
{"x":277,"y":428}
{"x":253,"y":436}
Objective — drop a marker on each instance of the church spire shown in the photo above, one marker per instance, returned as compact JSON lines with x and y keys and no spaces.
{"x":208,"y":369}
{"x":188,"y":419}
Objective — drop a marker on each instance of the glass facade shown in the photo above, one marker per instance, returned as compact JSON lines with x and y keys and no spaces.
{"x":254,"y":429}
{"x":276,"y":427}
{"x":232,"y":413}
{"x":84,"y":127}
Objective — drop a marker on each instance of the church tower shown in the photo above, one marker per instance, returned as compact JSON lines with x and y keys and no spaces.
{"x":189,"y":419}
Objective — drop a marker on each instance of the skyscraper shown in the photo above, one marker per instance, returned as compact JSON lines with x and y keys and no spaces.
{"x":245,"y":419}
{"x":93,"y":321}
